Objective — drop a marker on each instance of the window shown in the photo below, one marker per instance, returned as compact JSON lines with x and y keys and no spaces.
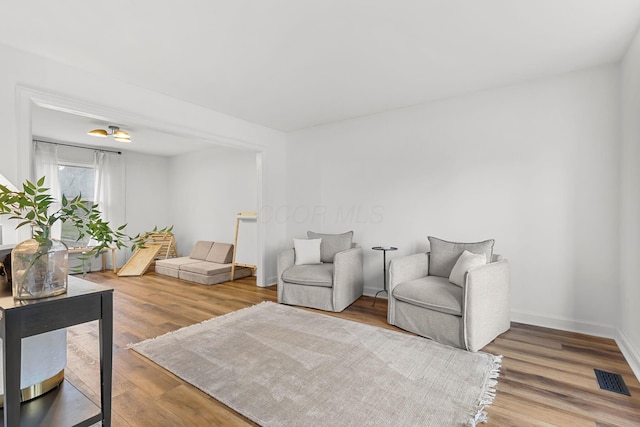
{"x":74,"y":181}
{"x":97,"y":176}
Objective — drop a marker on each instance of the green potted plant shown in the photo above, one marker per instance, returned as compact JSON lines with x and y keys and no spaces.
{"x":40,"y":265}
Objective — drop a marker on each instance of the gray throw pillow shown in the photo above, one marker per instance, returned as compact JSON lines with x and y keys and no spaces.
{"x":332,"y":244}
{"x":445,"y":254}
{"x":465,"y":263}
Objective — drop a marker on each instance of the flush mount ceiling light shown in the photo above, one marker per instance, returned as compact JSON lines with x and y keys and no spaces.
{"x":118,"y":134}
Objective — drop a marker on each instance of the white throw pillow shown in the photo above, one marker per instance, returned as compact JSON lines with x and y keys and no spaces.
{"x":307,"y":251}
{"x":466,"y":261}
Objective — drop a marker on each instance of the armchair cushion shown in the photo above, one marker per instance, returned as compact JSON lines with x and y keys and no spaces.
{"x":307,"y":251}
{"x":312,"y":275}
{"x":444,"y":254}
{"x":431,"y":292}
{"x":466,"y":261}
{"x":332,"y":244}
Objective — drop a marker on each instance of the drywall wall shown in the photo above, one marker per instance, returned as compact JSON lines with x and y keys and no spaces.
{"x":533,"y":166}
{"x":629,"y":338}
{"x":207,"y":189}
{"x":148,"y":199}
{"x":148,"y":196}
{"x":21,"y":69}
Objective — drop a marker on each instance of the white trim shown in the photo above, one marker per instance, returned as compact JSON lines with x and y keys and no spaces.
{"x":25,"y":138}
{"x":260,"y":274}
{"x":24,"y":147}
{"x":27,"y":98}
{"x":562,"y":323}
{"x":630,"y":353}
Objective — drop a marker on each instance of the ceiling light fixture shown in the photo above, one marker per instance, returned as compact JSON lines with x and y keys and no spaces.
{"x":118,"y":134}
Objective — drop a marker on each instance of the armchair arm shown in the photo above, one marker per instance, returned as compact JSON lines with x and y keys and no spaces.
{"x":348,"y":282}
{"x":408,"y":268}
{"x":402,"y":269}
{"x":486,"y":312}
{"x":286,"y":260}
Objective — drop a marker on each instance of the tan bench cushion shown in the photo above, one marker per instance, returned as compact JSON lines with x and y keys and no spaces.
{"x":176,"y":262}
{"x":207,"y":268}
{"x":201,"y":250}
{"x":222,"y":253}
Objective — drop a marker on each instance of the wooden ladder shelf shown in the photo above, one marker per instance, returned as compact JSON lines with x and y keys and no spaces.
{"x":242,"y":216}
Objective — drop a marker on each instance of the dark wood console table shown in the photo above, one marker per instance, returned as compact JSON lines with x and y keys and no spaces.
{"x":64,"y":406}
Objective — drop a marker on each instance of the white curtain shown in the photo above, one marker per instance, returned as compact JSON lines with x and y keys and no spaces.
{"x":46,"y":164}
{"x":109,"y":191}
{"x":36,"y":368}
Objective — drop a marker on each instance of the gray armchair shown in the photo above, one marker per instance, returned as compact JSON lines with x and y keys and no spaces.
{"x":470,"y":315}
{"x":331,"y":285}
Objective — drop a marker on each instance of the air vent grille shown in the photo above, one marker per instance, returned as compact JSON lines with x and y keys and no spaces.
{"x":611,"y":382}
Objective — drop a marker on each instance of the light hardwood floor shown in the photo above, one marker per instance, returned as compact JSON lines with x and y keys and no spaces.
{"x":547,"y":375}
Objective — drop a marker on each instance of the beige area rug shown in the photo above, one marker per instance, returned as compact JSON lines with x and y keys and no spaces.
{"x":284,"y":366}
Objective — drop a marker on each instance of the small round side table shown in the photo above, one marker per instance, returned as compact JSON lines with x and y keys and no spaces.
{"x":384,"y":250}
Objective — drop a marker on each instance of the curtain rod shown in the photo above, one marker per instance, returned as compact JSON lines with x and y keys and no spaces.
{"x":78,"y":146}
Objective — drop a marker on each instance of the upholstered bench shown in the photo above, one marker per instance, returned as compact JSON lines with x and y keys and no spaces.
{"x":208,"y":263}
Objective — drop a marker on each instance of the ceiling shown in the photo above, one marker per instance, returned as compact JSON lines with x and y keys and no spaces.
{"x":292,"y":64}
{"x":57,"y":126}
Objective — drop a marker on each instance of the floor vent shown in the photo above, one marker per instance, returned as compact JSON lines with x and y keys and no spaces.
{"x":611,"y":382}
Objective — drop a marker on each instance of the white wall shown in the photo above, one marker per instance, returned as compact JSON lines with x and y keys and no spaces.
{"x":533,"y":166}
{"x":207,"y":189}
{"x":629,"y":338}
{"x":148,"y":197}
{"x":120,"y":100}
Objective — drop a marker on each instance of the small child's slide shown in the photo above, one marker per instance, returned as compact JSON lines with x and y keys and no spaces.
{"x":140,"y":260}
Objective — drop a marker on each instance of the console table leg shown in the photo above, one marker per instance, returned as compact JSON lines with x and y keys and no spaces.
{"x":106,"y":356}
{"x":12,"y":347}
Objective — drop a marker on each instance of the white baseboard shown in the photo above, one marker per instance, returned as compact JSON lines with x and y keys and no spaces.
{"x":564,"y":324}
{"x":630,"y":352}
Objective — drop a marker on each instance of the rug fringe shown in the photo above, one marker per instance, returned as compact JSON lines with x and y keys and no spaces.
{"x":488,"y":392}
{"x":131,"y":346}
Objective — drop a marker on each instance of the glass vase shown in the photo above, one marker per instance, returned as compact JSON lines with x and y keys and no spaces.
{"x":39,"y":269}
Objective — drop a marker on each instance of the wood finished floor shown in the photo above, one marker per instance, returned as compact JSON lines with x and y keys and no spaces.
{"x":546,"y":379}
